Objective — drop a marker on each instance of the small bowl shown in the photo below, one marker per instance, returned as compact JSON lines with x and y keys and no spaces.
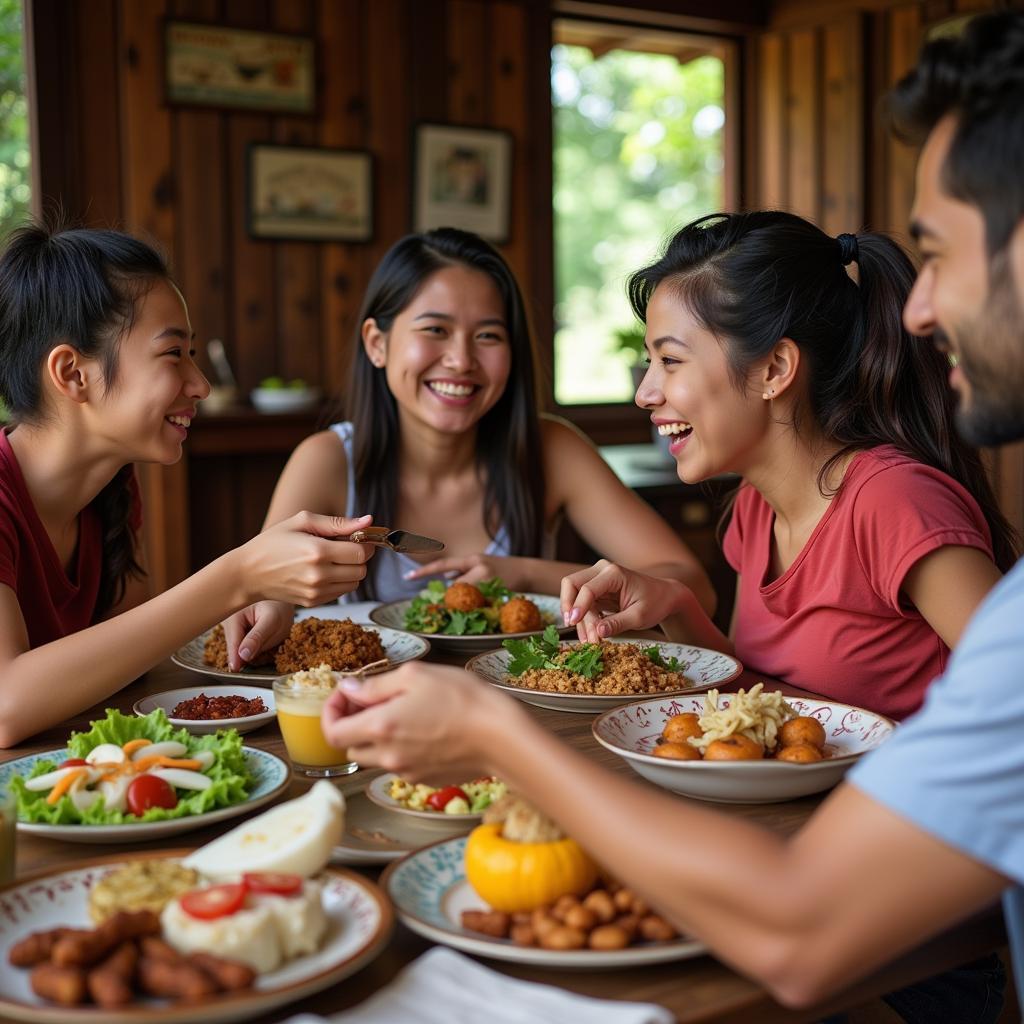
{"x":273,"y":400}
{"x":632,"y":732}
{"x":219,"y":399}
{"x":377,"y":792}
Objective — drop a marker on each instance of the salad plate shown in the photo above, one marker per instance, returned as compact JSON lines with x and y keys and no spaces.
{"x":359,"y":924}
{"x":170,"y":699}
{"x":378,"y":792}
{"x":270,"y":774}
{"x":429,"y":891}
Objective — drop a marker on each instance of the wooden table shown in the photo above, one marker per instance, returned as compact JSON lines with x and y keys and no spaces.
{"x":695,"y":990}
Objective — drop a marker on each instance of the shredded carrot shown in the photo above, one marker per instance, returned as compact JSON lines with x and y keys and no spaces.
{"x":162,"y":761}
{"x":64,"y":784}
{"x":131,"y":746}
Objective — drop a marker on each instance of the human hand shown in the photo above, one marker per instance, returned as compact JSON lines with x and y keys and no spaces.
{"x":470,"y":569}
{"x":304,"y":560}
{"x":256,"y":628}
{"x":421,"y":721}
{"x":637,"y":601}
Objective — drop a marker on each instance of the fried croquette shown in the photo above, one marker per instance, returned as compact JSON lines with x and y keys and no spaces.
{"x":215,"y":652}
{"x":800,"y":753}
{"x":520,"y":615}
{"x":677,"y":751}
{"x":679,"y":728}
{"x":802,"y":730}
{"x":343,"y":645}
{"x":463,"y":597}
{"x":734,"y":748}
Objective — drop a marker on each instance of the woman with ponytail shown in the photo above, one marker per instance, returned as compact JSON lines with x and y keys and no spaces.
{"x":96,"y":373}
{"x":865,"y":532}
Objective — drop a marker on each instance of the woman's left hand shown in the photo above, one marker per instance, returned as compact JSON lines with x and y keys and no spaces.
{"x":470,"y":569}
{"x":418,"y":720}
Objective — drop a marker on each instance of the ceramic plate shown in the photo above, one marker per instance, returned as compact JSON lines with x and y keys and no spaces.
{"x":271,"y":775}
{"x":377,"y":791}
{"x":392,"y":615}
{"x":632,"y":733}
{"x":430,"y":891}
{"x":360,"y":921}
{"x":706,"y":668}
{"x":169,"y":700}
{"x":399,"y":646}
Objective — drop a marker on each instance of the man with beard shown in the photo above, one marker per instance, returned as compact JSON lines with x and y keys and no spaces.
{"x":929,"y":828}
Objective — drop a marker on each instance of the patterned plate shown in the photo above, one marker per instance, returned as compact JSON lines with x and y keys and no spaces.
{"x":399,"y":646}
{"x":377,"y":791}
{"x":632,"y":733}
{"x":430,"y":891}
{"x":706,"y":668}
{"x":170,"y":699}
{"x":270,"y":773}
{"x":359,"y":924}
{"x":392,"y":615}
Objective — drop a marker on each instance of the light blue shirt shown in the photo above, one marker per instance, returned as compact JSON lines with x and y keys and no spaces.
{"x":956,"y":769}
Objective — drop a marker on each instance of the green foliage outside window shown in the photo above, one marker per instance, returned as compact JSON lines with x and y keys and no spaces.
{"x":14,"y":153}
{"x":638,"y":153}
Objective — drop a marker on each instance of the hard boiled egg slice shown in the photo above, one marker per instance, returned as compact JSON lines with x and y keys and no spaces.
{"x":105,"y":753}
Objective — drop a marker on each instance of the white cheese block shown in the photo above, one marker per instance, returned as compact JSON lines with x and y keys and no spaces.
{"x":250,"y":935}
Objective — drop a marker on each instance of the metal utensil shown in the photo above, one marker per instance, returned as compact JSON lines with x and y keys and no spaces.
{"x":397,"y":540}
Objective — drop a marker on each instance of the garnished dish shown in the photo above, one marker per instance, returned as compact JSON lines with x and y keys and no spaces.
{"x":444,"y":806}
{"x":207,"y":709}
{"x":587,"y":677}
{"x":745,"y":747}
{"x":194,"y":938}
{"x":517,"y":888}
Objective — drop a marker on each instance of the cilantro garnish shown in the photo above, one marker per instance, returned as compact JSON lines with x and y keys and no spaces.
{"x":543,"y":652}
{"x":673,"y":664}
{"x":494,"y":590}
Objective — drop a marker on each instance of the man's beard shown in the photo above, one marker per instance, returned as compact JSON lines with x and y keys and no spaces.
{"x":992,"y":361}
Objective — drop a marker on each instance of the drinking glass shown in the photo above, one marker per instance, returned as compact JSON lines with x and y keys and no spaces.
{"x":300,"y":698}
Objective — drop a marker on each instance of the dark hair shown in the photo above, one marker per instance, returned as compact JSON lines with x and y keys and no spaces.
{"x":979,"y":79}
{"x":753,"y":278}
{"x":81,"y":287}
{"x":508,"y":436}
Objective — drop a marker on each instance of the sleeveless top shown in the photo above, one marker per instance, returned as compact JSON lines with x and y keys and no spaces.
{"x":389,"y":567}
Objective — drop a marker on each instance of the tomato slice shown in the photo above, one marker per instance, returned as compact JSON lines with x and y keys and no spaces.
{"x":442,"y":797}
{"x":147,"y":791}
{"x":217,"y":901}
{"x":267,"y":881}
{"x":73,"y":762}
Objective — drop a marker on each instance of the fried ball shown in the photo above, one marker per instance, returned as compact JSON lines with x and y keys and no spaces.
{"x":734,"y":748}
{"x":802,"y":730}
{"x":463,"y":597}
{"x":677,"y":751}
{"x":800,"y":753}
{"x":679,"y":728}
{"x":520,"y":615}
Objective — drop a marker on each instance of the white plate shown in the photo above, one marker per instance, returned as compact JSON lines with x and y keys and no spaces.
{"x":359,"y":924}
{"x":398,"y":645}
{"x":392,"y":615}
{"x":270,"y":773}
{"x":430,"y":891}
{"x":706,"y":668}
{"x":632,"y":733}
{"x":169,"y":700}
{"x":284,"y":399}
{"x":377,"y":791}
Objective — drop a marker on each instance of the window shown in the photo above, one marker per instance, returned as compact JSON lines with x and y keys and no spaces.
{"x":639,"y":150}
{"x":14,"y":153}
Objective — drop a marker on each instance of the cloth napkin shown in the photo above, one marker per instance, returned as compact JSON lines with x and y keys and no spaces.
{"x":445,"y":987}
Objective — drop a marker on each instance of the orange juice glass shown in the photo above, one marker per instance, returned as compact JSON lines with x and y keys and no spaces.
{"x":300,"y":698}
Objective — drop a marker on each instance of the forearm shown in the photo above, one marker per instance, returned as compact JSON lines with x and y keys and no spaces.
{"x":691,"y":574}
{"x":689,"y":623}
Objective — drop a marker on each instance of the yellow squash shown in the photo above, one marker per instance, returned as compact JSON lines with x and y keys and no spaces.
{"x":513,"y":876}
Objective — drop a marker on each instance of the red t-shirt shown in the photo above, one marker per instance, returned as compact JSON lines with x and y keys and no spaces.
{"x":54,"y":602}
{"x":835,"y":622}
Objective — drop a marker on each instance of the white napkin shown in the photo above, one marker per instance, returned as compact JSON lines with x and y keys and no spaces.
{"x":357,"y":611}
{"x":445,"y":987}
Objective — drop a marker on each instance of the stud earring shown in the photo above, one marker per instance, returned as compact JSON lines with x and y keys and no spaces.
{"x":768,"y":394}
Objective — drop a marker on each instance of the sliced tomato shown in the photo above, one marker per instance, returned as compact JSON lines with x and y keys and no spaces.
{"x":147,"y":791}
{"x":72,"y":762}
{"x":267,"y":881}
{"x":217,"y":901}
{"x":439,"y":800}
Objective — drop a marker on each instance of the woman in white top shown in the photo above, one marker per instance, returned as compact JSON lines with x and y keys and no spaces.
{"x":445,"y":440}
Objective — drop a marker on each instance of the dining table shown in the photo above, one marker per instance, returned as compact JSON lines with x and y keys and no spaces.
{"x":702,"y":989}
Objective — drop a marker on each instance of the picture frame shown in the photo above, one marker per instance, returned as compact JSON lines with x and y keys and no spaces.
{"x":214,"y":66}
{"x":462,"y":178}
{"x":309,"y":193}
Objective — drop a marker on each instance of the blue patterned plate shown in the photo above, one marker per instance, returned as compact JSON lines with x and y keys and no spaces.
{"x":398,"y":646}
{"x":271,"y":775}
{"x":429,"y":891}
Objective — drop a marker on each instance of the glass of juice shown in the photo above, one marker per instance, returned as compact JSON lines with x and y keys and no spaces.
{"x":300,"y":698}
{"x":8,"y":832}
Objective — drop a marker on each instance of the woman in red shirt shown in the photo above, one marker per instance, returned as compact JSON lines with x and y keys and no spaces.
{"x":97,"y":372}
{"x":865,"y":533}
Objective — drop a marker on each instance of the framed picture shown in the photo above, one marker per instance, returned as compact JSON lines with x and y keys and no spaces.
{"x":213,"y":66}
{"x":310,"y":194}
{"x":462,"y":179}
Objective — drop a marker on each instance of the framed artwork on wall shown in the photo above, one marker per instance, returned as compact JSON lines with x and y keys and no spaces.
{"x":214,"y":66}
{"x":462,"y":179}
{"x":309,"y":193}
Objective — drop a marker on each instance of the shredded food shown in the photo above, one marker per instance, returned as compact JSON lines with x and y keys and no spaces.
{"x":754,"y":714}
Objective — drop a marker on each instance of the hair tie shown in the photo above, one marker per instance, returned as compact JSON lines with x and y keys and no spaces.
{"x":849,"y":250}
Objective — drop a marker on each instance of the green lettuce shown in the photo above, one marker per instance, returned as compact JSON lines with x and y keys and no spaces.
{"x":229,"y":772}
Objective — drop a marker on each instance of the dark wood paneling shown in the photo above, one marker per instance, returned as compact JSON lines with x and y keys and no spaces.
{"x":468,"y":46}
{"x":771,"y":122}
{"x":803,"y":138}
{"x":843,"y":127}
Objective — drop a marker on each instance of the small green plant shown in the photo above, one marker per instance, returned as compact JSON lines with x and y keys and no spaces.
{"x":630,"y":342}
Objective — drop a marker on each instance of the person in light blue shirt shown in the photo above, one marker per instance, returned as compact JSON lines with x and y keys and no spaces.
{"x":928,"y":829}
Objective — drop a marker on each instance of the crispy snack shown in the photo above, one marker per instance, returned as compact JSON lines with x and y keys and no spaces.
{"x":84,"y":948}
{"x":341,"y":644}
{"x":64,"y":985}
{"x":140,"y":885}
{"x":463,"y":597}
{"x":520,"y":615}
{"x":37,"y":947}
{"x":110,"y":984}
{"x":215,"y":652}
